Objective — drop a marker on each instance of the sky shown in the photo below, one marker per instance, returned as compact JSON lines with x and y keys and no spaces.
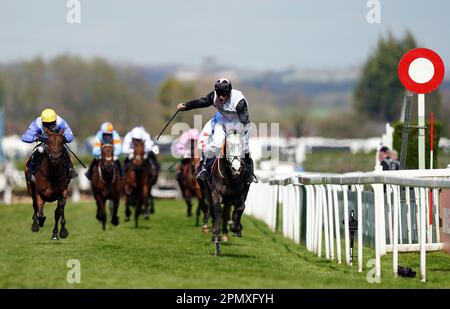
{"x":251,"y":34}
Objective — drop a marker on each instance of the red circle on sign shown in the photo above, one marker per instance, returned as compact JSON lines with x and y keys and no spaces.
{"x":408,"y":82}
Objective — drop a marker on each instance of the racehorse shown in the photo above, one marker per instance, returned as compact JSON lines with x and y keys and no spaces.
{"x":106,"y":185}
{"x":136,"y":182}
{"x":191,"y":188}
{"x":51,"y":183}
{"x":152,"y":179}
{"x":228,"y":185}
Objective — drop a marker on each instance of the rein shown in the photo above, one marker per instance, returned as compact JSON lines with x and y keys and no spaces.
{"x":101,"y":174}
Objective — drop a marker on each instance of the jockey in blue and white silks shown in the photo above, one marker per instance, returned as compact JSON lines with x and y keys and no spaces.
{"x":233,"y":107}
{"x":37,"y":128}
{"x":106,"y":135}
{"x":50,"y":120}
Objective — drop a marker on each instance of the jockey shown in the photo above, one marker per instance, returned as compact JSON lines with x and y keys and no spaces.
{"x":106,"y":135}
{"x":48,"y":119}
{"x":233,"y":106}
{"x":151,"y":150}
{"x":183,"y":149}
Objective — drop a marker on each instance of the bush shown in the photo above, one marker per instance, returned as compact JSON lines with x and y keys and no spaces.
{"x":412,"y":159}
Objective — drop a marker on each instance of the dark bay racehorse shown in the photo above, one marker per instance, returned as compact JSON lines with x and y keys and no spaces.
{"x":51,"y":184}
{"x":228,"y":185}
{"x":106,"y":185}
{"x":136,"y":182}
{"x":190,"y":188}
{"x":152,"y":179}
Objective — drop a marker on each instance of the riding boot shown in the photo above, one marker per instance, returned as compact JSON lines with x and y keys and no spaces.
{"x":200,"y":175}
{"x":205,"y":173}
{"x":35,"y":160}
{"x":119,"y":166}
{"x":180,"y":179}
{"x":70,"y":170}
{"x":88,"y":174}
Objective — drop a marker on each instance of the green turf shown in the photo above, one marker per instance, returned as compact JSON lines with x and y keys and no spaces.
{"x":169,"y":252}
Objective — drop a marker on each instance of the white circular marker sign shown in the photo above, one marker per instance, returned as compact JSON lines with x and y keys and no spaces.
{"x":421,"y":70}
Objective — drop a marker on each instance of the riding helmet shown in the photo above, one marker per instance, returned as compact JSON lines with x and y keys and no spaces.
{"x":223,"y":86}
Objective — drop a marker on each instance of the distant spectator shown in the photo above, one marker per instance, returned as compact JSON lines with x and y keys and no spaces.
{"x":383,"y":158}
{"x":394,"y":163}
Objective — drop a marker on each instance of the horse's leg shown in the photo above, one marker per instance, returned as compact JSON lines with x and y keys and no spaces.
{"x":146,"y":210}
{"x":216,"y":211}
{"x":152,"y":202}
{"x":189,"y":206}
{"x":150,"y":197}
{"x":236,"y":228}
{"x":137,"y":211}
{"x":127,"y":209}
{"x":57,"y":216}
{"x":225,"y":218}
{"x":114,"y":217}
{"x":204,"y":209}
{"x":35,"y":225}
{"x":40,"y":215}
{"x":103,"y":215}
{"x":197,"y":214}
{"x":101,"y":211}
{"x":63,"y":232}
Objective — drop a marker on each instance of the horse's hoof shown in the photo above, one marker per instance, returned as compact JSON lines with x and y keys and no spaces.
{"x":35,"y":227}
{"x":63,"y":233}
{"x":55,"y":237}
{"x":237,"y":234}
{"x":127,"y":219}
{"x":205,"y":229}
{"x":217,"y":253}
{"x":224,"y":238}
{"x":152,"y":210}
{"x":115,"y":221}
{"x":146,"y":216}
{"x":41,"y":221}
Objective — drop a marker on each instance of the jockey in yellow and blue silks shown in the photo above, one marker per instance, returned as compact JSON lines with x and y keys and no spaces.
{"x":106,"y":135}
{"x":36,"y":133}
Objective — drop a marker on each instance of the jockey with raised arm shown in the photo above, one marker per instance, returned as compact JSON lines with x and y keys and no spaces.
{"x":151,"y":150}
{"x":233,"y":107}
{"x":50,"y":120}
{"x":106,"y":135}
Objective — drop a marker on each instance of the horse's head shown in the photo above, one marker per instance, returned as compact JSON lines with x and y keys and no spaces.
{"x":234,"y":149}
{"x":139,"y":152}
{"x":55,"y":145}
{"x":107,"y":155}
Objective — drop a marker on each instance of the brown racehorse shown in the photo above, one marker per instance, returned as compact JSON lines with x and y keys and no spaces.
{"x":51,"y":184}
{"x":106,"y":185}
{"x":152,"y":179}
{"x":190,"y":188}
{"x":136,"y":182}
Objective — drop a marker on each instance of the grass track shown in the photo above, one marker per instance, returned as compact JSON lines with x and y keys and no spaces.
{"x":169,"y":252}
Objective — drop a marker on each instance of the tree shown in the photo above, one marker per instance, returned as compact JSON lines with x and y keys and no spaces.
{"x":379,"y":93}
{"x":171,"y":92}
